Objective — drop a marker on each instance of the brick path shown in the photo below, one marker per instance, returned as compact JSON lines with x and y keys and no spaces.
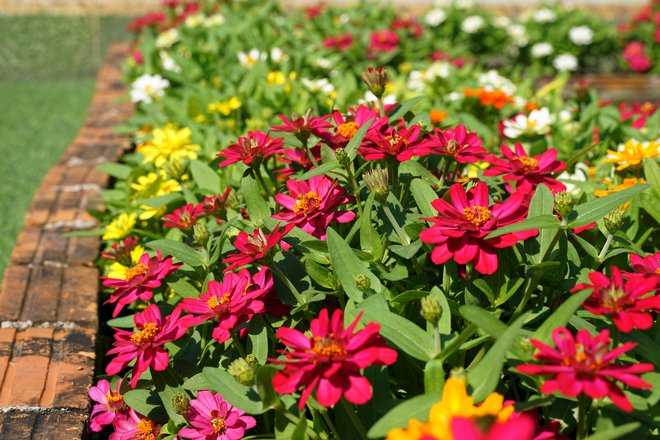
{"x":49,"y":293}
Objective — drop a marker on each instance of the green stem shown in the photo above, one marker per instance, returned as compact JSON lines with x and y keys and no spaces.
{"x":356,"y":189}
{"x":359,"y":427}
{"x":584,"y":404}
{"x":328,"y":421}
{"x":237,"y":343}
{"x":606,"y":247}
{"x":393,"y":172}
{"x":456,"y":343}
{"x":400,"y":232}
{"x":296,"y":421}
{"x":436,"y":338}
{"x":381,"y":104}
{"x":309,"y":154}
{"x":279,"y":274}
{"x":616,"y":335}
{"x":257,"y":175}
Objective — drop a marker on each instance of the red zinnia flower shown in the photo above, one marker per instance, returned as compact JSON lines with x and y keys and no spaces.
{"x":528,"y":172}
{"x":460,"y":231}
{"x":624,"y":302}
{"x":330,"y":360}
{"x":146,"y":345}
{"x":456,"y":143}
{"x":583,"y":364}
{"x":311,"y":204}
{"x":522,"y":427}
{"x":184,"y":217}
{"x":384,"y":40}
{"x":401,"y":144}
{"x":409,"y":24}
{"x":121,"y":251}
{"x":230,"y":303}
{"x":216,"y":206}
{"x":139,"y":281}
{"x":348,"y":125}
{"x":256,"y":147}
{"x":252,"y":248}
{"x":303,"y":126}
{"x":134,"y":426}
{"x":646,"y":267}
{"x":341,"y":42}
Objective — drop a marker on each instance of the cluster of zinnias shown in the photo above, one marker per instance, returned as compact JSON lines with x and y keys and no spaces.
{"x":585,"y":364}
{"x":213,"y":418}
{"x":330,"y":359}
{"x":456,"y":417}
{"x":185,"y":217}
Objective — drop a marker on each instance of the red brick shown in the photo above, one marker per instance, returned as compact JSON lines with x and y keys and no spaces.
{"x":79,"y":295}
{"x":12,"y":292}
{"x":52,"y":247}
{"x":26,"y":245}
{"x":42,"y":294}
{"x":83,"y":250}
{"x":7,"y":336}
{"x":59,"y":425}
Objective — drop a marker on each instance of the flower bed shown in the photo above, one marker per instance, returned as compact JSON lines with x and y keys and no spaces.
{"x":454,"y":254}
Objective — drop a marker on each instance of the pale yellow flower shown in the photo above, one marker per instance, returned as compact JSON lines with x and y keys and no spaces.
{"x":120,"y":227}
{"x":633,"y":153}
{"x":275,"y":78}
{"x":154,"y":184}
{"x":168,"y":144}
{"x":226,"y":106}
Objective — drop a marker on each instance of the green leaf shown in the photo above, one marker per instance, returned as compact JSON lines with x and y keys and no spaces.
{"x":122,"y":322}
{"x":416,"y":408}
{"x":256,"y":205}
{"x":196,"y":383}
{"x":538,"y":222}
{"x":597,"y":209}
{"x":258,"y":338}
{"x":406,"y":335}
{"x":178,"y":250}
{"x":167,"y":386}
{"x":347,"y":266}
{"x":237,"y":394}
{"x":434,"y":377}
{"x":542,"y":203}
{"x":184,"y":289}
{"x":444,"y":325}
{"x":652,"y":174}
{"x":321,"y":169}
{"x":356,"y":140}
{"x":405,"y":107}
{"x":486,"y":375}
{"x":369,"y":238}
{"x":615,"y":433}
{"x":146,"y":402}
{"x":484,"y":320}
{"x":561,"y":316}
{"x":115,"y":170}
{"x":160,"y":201}
{"x":205,"y":176}
{"x":423,"y":195}
{"x":264,"y":383}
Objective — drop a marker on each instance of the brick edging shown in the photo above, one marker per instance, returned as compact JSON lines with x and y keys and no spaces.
{"x":49,"y":292}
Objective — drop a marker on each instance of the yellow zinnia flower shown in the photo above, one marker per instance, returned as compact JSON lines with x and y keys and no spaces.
{"x":226,"y":106}
{"x":633,"y":153}
{"x":455,"y":403}
{"x":120,"y":227}
{"x":626,"y":184}
{"x":168,"y":144}
{"x":154,"y":184}
{"x":118,"y":270}
{"x":275,"y":78}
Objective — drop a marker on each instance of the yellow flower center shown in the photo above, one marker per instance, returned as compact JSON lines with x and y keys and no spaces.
{"x":477,"y":215}
{"x":258,"y":239}
{"x":138,"y":269}
{"x":146,"y":335}
{"x":528,"y":163}
{"x":218,"y":424}
{"x":327,"y":347}
{"x":147,"y":429}
{"x":580,"y":355}
{"x":214,"y":301}
{"x":348,"y":129}
{"x":306,"y":203}
{"x":113,"y":397}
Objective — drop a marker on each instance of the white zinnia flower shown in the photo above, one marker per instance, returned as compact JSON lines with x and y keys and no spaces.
{"x":518,"y":34}
{"x":435,"y":17}
{"x":565,"y":61}
{"x":250,"y":59}
{"x":370,"y":98}
{"x":214,"y":20}
{"x":502,"y":21}
{"x":277,"y":55}
{"x":544,"y":15}
{"x":472,"y":24}
{"x":540,"y":50}
{"x":439,"y":69}
{"x":318,"y":85}
{"x":167,"y":38}
{"x":147,"y":88}
{"x":194,"y":21}
{"x":168,"y":62}
{"x":581,"y":174}
{"x":492,"y":80}
{"x":416,"y":81}
{"x":581,"y":35}
{"x":538,"y":122}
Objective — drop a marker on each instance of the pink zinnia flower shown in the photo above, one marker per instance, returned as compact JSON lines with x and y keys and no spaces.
{"x":410,"y":24}
{"x":348,"y":125}
{"x":133,"y":426}
{"x":121,"y":251}
{"x":109,"y":403}
{"x":330,"y":360}
{"x":455,"y":143}
{"x":236,"y":300}
{"x":216,"y":206}
{"x":303,"y":126}
{"x":634,"y":54}
{"x":646,"y":267}
{"x":255,"y":247}
{"x":139,"y":281}
{"x":401,"y":144}
{"x":528,"y":172}
{"x":251,"y":150}
{"x":213,"y":418}
{"x":341,"y":42}
{"x":383,"y":41}
{"x":146,"y":345}
{"x":460,"y":231}
{"x":627,"y":303}
{"x":184,"y":217}
{"x":522,"y":427}
{"x":312,"y":205}
{"x":584,"y":364}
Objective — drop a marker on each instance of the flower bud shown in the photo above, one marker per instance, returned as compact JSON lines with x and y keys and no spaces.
{"x":242,"y":371}
{"x":362,"y":282}
{"x":613,"y":220}
{"x":342,"y":157}
{"x":526,"y":345}
{"x":377,"y":181}
{"x":431,"y":310}
{"x":200,"y":234}
{"x":180,"y":403}
{"x":564,"y":203}
{"x":459,"y":373}
{"x":376,"y":79}
{"x":252,"y":360}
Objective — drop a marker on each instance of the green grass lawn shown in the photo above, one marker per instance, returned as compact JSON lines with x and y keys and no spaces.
{"x":47,"y":74}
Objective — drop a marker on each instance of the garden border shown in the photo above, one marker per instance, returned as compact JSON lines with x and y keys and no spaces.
{"x":49,"y":293}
